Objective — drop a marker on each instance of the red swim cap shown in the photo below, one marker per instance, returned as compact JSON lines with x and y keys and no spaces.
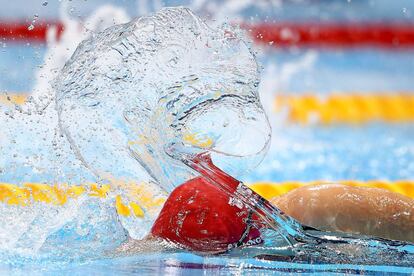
{"x":200,"y":217}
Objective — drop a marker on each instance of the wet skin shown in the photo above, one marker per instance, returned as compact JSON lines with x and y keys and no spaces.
{"x":360,"y":210}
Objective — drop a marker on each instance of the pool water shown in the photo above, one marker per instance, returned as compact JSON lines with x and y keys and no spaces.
{"x":377,"y":150}
{"x":190,"y":264}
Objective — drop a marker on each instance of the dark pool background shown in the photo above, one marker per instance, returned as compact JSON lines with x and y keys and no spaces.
{"x":360,"y":152}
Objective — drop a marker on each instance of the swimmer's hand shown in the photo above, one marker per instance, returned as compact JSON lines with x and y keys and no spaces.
{"x":358,"y":210}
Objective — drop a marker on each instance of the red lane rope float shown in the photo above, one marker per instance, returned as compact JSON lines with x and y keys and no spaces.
{"x":334,"y":34}
{"x":20,"y":31}
{"x":280,"y":34}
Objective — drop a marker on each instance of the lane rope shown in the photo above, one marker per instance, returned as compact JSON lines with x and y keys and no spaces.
{"x":274,"y":34}
{"x":389,"y":35}
{"x":134,"y":204}
{"x":19,"y":31}
{"x":9,"y":99}
{"x":347,"y":108}
{"x":311,"y":108}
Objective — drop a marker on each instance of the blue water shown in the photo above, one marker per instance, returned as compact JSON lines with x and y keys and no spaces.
{"x":18,"y":64}
{"x":282,"y":10}
{"x":339,"y":152}
{"x":356,"y":70}
{"x":190,"y":264}
{"x":370,"y":70}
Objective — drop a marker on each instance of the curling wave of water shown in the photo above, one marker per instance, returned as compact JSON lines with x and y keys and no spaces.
{"x":134,"y":88}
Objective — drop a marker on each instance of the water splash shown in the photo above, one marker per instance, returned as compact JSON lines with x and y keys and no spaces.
{"x":126,"y":93}
{"x":132,"y":89}
{"x":33,"y":149}
{"x":32,"y":25}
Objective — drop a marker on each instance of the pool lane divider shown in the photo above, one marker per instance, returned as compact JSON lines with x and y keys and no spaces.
{"x":134,"y":204}
{"x":325,"y":109}
{"x":58,"y":195}
{"x":274,"y":34}
{"x":8,"y":99}
{"x":21,"y":32}
{"x":346,"y":108}
{"x":334,"y":34}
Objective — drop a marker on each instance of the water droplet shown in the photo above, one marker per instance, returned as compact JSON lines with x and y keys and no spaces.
{"x":31,"y":26}
{"x":44,"y":3}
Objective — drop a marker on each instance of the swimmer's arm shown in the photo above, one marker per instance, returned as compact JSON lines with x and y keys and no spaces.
{"x":360,"y":210}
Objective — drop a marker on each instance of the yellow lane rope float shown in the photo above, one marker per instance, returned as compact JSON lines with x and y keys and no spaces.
{"x":348,"y":108}
{"x":138,"y":199}
{"x":12,"y":98}
{"x":335,"y":108}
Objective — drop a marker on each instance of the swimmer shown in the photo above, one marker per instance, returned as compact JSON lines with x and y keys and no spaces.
{"x":197,"y":215}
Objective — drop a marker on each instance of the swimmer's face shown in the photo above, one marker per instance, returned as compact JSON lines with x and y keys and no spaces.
{"x":134,"y":88}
